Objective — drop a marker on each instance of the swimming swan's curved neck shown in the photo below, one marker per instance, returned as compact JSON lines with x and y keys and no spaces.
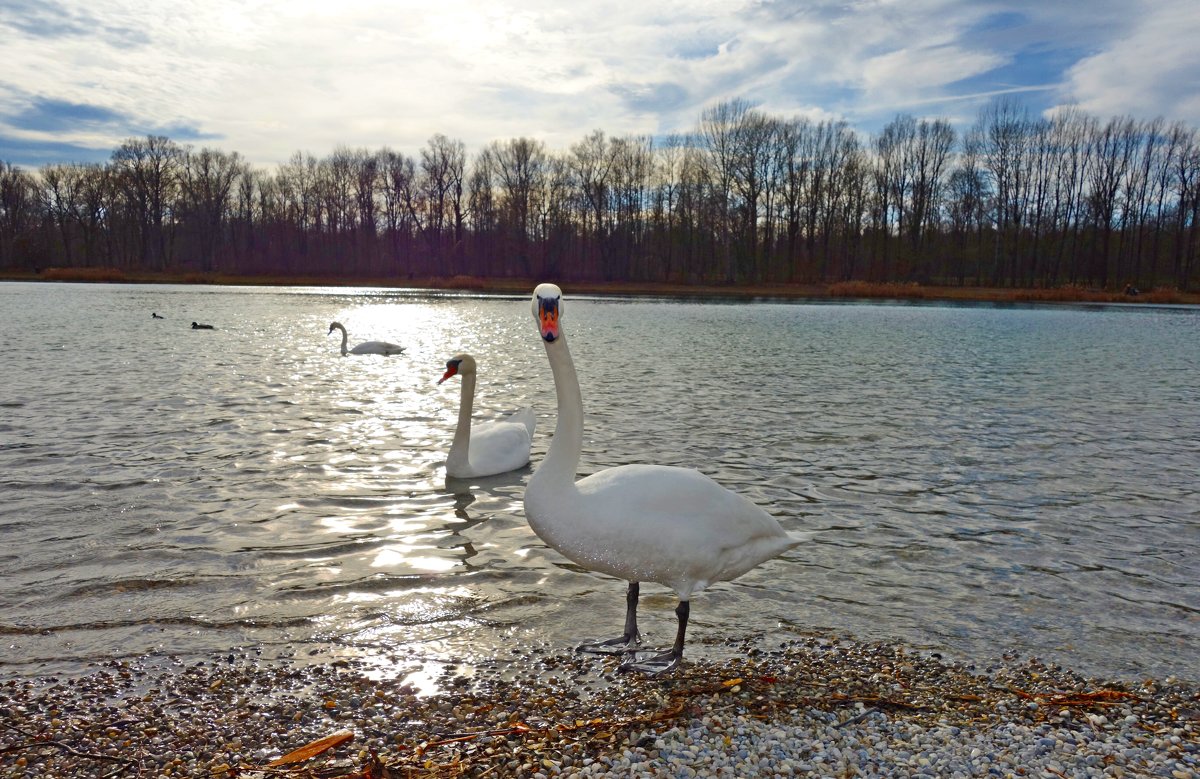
{"x":562,"y":460}
{"x":460,"y":447}
{"x":345,"y":339}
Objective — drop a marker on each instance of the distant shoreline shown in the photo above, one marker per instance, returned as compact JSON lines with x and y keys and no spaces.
{"x":834,"y":291}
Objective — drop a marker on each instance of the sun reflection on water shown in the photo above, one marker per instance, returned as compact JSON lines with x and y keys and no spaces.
{"x":292,"y":496}
{"x":404,"y":555}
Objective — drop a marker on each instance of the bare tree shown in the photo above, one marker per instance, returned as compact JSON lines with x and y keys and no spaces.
{"x":400,"y":219}
{"x":667,"y":181}
{"x":855,"y":198}
{"x":147,"y":174}
{"x":590,"y":162}
{"x":833,"y":167}
{"x":207,"y":187}
{"x":719,"y":130}
{"x":18,"y":207}
{"x":368,"y":182}
{"x":753,"y":137}
{"x":744,"y":197}
{"x":484,"y":213}
{"x":1186,"y":182}
{"x":928,"y":163}
{"x":1112,"y":147}
{"x":256,"y":204}
{"x":632,"y":164}
{"x":555,"y":218}
{"x":297,"y":183}
{"x":335,"y":187}
{"x":967,"y":206}
{"x":793,"y":163}
{"x":519,"y":166}
{"x":442,"y":165}
{"x":1004,"y":127}
{"x":62,"y":188}
{"x":1069,"y":138}
{"x":893,"y":145}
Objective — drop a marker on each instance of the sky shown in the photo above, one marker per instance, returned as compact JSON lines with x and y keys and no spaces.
{"x":269,"y":78}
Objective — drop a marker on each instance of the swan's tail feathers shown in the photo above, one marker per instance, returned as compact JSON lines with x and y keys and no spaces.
{"x":796,"y":539}
{"x":525,"y":416}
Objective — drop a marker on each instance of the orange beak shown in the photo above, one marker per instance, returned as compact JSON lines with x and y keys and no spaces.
{"x":548,"y":320}
{"x":451,"y":370}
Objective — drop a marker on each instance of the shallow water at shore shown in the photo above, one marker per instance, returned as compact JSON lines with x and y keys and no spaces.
{"x":973,"y":479}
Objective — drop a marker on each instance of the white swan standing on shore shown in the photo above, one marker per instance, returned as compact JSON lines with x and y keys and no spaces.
{"x":366,"y":347}
{"x":657,"y":523}
{"x":491,"y":447}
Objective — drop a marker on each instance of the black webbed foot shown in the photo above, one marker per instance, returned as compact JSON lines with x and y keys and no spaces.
{"x":652,"y":663}
{"x":612,"y":646}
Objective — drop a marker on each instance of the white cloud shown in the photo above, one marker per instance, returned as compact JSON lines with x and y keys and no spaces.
{"x":1152,"y":69}
{"x":271,"y":77}
{"x":913,"y":75}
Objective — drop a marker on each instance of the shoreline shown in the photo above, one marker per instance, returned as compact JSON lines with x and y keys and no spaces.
{"x":785,"y":706}
{"x":775,"y":704}
{"x":851,"y":290}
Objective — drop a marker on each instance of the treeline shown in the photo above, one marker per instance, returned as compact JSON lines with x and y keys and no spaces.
{"x":1016,"y":200}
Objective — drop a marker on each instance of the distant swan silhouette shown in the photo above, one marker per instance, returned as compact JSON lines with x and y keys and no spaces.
{"x":366,"y":347}
{"x":197,"y":326}
{"x":491,"y":447}
{"x":154,"y":315}
{"x":657,"y":523}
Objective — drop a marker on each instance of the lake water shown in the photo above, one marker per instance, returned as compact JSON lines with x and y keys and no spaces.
{"x":974,"y":480}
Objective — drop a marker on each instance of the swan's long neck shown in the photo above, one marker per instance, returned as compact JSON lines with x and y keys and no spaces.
{"x":345,"y":340}
{"x":460,"y":447}
{"x":562,"y":460}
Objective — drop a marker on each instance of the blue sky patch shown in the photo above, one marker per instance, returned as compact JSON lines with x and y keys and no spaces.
{"x":1002,"y":20}
{"x":1037,"y":73}
{"x":57,"y":116}
{"x":34,"y":154}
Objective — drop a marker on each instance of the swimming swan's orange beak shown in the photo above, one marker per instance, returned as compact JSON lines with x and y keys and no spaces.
{"x":451,"y":370}
{"x":548,"y":319}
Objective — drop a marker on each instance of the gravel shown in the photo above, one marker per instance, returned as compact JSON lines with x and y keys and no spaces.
{"x":810,"y":707}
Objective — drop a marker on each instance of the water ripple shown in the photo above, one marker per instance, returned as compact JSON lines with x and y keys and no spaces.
{"x":977,"y":480}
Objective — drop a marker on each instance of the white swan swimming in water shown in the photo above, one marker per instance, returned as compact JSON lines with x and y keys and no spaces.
{"x":366,"y":347}
{"x":491,"y":447}
{"x":657,"y":523}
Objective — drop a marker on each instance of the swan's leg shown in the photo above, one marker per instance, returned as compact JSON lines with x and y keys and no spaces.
{"x":627,"y":640}
{"x":658,"y":662}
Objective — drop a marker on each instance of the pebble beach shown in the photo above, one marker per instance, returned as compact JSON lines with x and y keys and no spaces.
{"x":764,"y":707}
